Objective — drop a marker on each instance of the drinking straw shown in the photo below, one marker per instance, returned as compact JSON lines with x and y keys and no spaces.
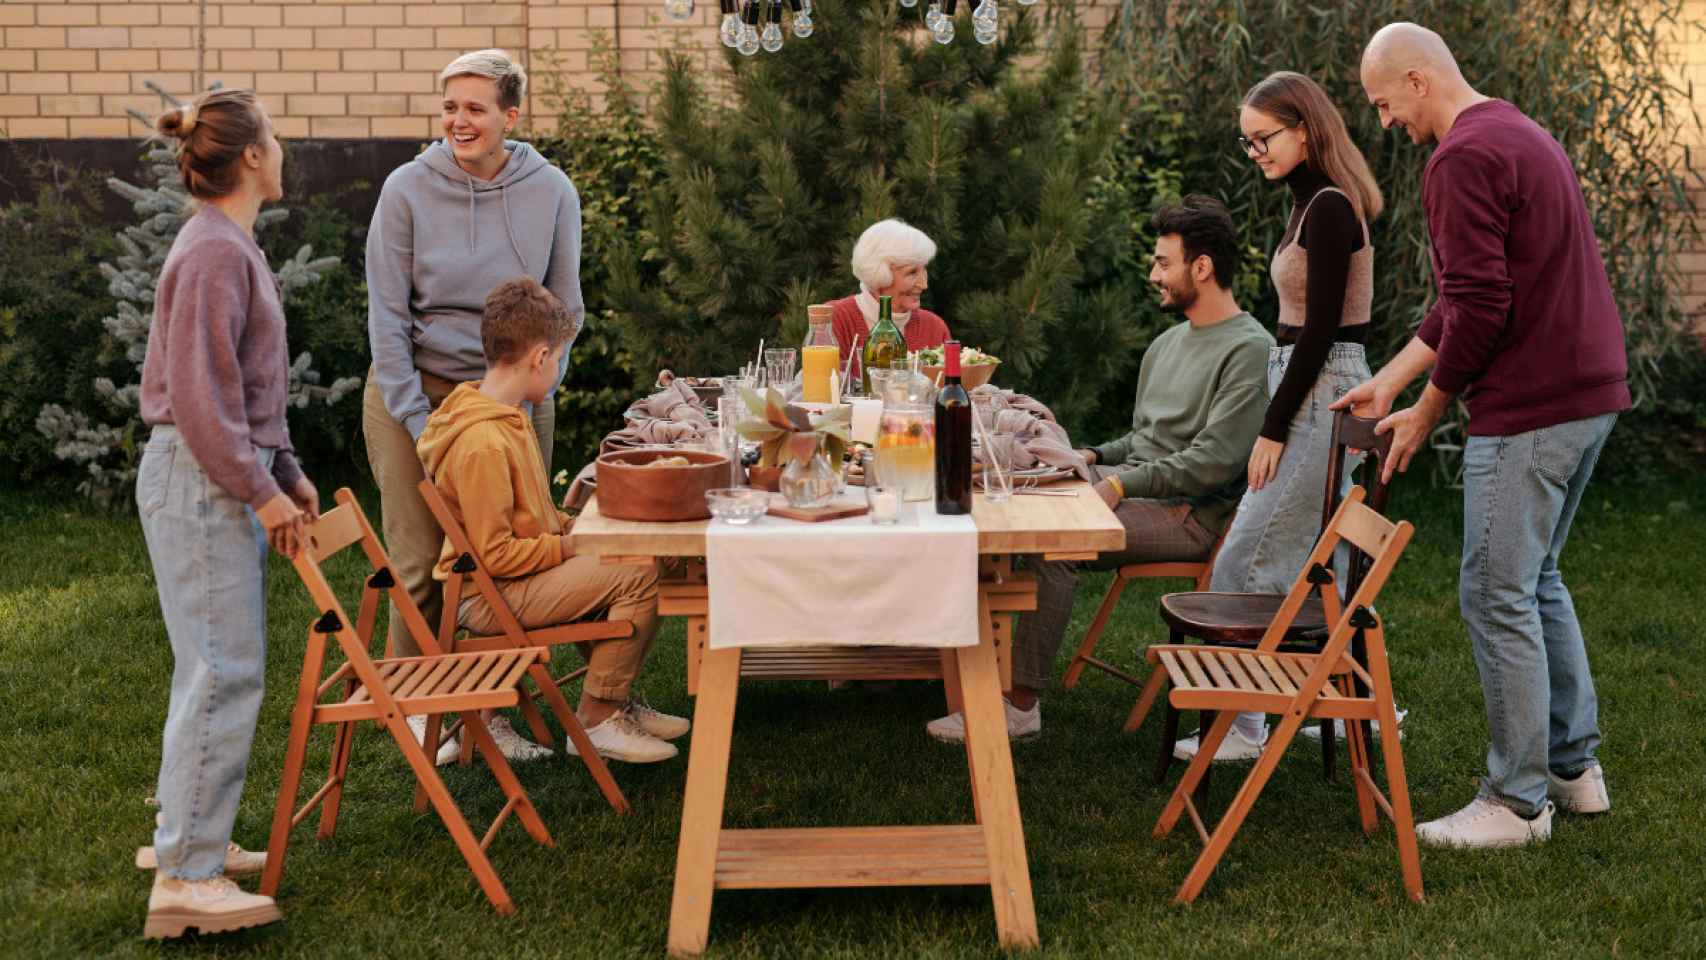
{"x":758,"y":361}
{"x":989,"y":455}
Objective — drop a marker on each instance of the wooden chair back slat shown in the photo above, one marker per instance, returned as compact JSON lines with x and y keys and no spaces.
{"x":336,"y":529}
{"x":1364,"y":528}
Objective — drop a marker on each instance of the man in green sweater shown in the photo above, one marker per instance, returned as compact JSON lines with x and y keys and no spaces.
{"x":1175,"y":479}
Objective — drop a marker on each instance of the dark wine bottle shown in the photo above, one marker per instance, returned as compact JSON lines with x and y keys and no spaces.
{"x":953,"y":437}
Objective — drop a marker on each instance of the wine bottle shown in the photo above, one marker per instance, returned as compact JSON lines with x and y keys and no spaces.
{"x":953,"y":437}
{"x":885,"y":344}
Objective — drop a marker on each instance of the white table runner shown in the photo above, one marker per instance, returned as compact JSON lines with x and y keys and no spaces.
{"x":776,"y":582}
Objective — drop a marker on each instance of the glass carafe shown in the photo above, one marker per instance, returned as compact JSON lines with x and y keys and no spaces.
{"x":820,"y":355}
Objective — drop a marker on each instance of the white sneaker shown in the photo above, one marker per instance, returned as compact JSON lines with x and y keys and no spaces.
{"x":238,"y":862}
{"x":449,"y":748}
{"x":513,"y":745}
{"x":1235,"y":748}
{"x":1486,"y":824}
{"x":620,"y":737}
{"x":1312,"y":728}
{"x":662,"y":725}
{"x":1584,"y":794}
{"x":1021,"y":724}
{"x":215,"y":905}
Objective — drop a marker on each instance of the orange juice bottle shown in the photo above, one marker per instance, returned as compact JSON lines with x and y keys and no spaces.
{"x":820,"y":355}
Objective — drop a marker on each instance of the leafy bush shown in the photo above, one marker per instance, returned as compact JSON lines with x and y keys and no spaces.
{"x":612,"y":156}
{"x":1591,"y":72}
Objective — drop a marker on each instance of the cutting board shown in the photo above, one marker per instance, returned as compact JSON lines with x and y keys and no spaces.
{"x":834,"y":511}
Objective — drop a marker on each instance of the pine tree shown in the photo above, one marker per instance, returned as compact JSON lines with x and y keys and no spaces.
{"x":110,"y":451}
{"x":991,"y":150}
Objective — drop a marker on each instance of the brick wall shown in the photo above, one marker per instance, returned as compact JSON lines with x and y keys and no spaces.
{"x":1692,"y":63}
{"x":326,"y":68}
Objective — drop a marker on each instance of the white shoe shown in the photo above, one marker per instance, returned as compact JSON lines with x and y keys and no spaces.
{"x":513,"y":745}
{"x":1312,"y":728}
{"x":655,"y":722}
{"x":1584,"y":794}
{"x":238,"y":862}
{"x":1021,"y":724}
{"x":620,"y":737}
{"x":448,"y":749}
{"x":1236,"y":747}
{"x":1486,"y":824}
{"x":214,"y":905}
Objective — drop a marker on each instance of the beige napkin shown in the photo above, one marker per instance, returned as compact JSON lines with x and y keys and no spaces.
{"x":675,"y":402}
{"x":1040,"y":440}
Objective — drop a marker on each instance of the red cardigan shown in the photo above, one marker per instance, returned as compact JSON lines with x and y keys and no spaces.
{"x":923,"y":329}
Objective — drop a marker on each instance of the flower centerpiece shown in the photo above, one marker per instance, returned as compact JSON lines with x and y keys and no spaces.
{"x":787,"y":434}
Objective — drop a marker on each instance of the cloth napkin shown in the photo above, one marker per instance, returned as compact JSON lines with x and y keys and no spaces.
{"x":652,"y":433}
{"x":1039,"y":438}
{"x":674,"y":402}
{"x":780,"y":583}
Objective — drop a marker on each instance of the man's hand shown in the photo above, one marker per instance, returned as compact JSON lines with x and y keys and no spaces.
{"x":285,"y":523}
{"x":1370,"y":398}
{"x":1264,"y":462}
{"x":1410,"y":428}
{"x":307,"y":498}
{"x":1109,"y":494}
{"x":1089,"y":455}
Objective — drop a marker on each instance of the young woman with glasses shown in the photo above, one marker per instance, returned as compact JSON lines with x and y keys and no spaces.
{"x":1323,"y":273}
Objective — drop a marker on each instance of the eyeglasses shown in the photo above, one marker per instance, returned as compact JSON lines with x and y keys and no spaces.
{"x":1258,"y":144}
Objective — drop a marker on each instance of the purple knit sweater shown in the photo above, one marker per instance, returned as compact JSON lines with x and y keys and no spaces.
{"x":217,"y":366}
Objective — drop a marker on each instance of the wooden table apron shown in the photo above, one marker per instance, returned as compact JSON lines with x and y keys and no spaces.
{"x":991,"y":851}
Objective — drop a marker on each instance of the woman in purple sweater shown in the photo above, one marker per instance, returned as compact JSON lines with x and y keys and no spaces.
{"x":218,"y":482}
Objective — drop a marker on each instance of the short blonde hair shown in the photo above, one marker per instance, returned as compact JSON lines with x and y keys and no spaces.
{"x":496,"y":66}
{"x":884,"y":244}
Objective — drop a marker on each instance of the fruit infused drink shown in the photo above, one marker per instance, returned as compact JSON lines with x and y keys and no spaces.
{"x":906,"y":451}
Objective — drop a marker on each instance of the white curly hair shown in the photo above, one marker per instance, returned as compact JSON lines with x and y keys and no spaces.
{"x":885,"y":244}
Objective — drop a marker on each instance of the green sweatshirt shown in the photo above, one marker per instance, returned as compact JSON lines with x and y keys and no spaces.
{"x":1201,"y":396}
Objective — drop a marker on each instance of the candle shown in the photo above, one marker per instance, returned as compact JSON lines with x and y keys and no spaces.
{"x":883,"y":501}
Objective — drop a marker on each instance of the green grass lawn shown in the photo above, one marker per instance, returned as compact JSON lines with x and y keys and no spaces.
{"x":84,"y":667}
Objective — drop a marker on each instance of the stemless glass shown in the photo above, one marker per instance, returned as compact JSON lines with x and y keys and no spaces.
{"x":779,"y":364}
{"x":998,"y":466}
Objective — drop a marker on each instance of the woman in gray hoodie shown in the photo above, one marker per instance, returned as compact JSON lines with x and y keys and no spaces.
{"x":471,"y":211}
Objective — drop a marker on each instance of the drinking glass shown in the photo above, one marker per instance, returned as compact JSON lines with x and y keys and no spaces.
{"x":730,"y":412}
{"x":998,"y":466}
{"x":779,"y":364}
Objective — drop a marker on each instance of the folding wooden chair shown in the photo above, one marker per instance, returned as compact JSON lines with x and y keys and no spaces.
{"x":1124,"y":575}
{"x":1298,"y":686}
{"x":514,"y":636}
{"x":388,"y":692}
{"x":1242,"y":619}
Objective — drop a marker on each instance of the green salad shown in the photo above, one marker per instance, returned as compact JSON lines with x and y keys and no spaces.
{"x":969,"y":357}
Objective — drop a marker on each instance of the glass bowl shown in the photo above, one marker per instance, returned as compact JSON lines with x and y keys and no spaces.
{"x":737,"y":505}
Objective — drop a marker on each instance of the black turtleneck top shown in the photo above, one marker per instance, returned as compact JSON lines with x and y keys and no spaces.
{"x":1330,"y":235}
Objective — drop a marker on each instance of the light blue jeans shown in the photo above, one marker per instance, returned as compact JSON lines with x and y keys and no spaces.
{"x":1519,"y":495}
{"x":209,"y":553}
{"x":1277,"y":526}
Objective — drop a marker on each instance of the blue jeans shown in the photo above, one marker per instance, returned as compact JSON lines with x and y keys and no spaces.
{"x":1277,"y":526}
{"x":209,"y":554}
{"x":1519,"y":495}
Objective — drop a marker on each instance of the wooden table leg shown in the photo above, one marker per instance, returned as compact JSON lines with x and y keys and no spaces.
{"x":992,"y":780}
{"x":702,"y":808}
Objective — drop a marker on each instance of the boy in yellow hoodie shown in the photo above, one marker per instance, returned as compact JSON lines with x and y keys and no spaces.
{"x":480,"y":449}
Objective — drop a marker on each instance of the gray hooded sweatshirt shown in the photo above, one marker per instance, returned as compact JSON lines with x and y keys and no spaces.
{"x":440,"y":240}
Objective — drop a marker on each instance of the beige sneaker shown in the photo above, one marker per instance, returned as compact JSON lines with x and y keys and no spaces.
{"x":655,"y":722}
{"x":215,"y":905}
{"x":515,"y":747}
{"x":449,"y":748}
{"x":619,"y":737}
{"x":238,"y":862}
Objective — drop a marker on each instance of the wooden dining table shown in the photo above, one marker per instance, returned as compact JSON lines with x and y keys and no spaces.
{"x":990,"y":852}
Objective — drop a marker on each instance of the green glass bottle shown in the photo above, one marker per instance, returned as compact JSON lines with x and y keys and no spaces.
{"x":885,"y":346}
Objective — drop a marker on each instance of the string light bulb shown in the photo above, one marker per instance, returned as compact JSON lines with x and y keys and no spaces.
{"x":802,"y":17}
{"x":943,"y":31}
{"x":771,"y":39}
{"x":729,"y":33}
{"x":678,"y":10}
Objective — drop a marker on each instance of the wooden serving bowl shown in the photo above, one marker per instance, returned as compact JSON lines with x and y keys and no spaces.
{"x":972,"y":376}
{"x":630,"y":490}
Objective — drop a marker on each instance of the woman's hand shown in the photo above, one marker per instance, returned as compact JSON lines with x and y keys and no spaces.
{"x":1264,"y":462}
{"x":285,"y":523}
{"x":307,"y":497}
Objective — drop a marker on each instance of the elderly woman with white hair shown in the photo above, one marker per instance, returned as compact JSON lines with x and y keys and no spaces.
{"x":892,"y":260}
{"x":471,"y":211}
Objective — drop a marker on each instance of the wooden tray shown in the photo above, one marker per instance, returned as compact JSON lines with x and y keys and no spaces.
{"x":834,"y":511}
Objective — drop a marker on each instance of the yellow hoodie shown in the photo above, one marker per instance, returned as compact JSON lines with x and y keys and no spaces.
{"x":484,"y":457}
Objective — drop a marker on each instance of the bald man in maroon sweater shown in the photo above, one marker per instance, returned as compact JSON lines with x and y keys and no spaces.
{"x":1525,"y":331}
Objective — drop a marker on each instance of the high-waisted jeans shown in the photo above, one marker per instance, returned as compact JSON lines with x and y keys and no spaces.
{"x":209,"y":554}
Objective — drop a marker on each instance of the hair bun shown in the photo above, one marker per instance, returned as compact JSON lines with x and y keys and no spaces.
{"x":177,"y":122}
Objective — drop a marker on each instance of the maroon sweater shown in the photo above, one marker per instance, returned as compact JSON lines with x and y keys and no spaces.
{"x":217,"y":366}
{"x":1525,"y":326}
{"x":923,"y":329}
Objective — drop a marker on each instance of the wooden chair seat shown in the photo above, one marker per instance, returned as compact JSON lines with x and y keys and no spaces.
{"x":1207,"y":677}
{"x":1239,"y":619}
{"x":437,"y":684}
